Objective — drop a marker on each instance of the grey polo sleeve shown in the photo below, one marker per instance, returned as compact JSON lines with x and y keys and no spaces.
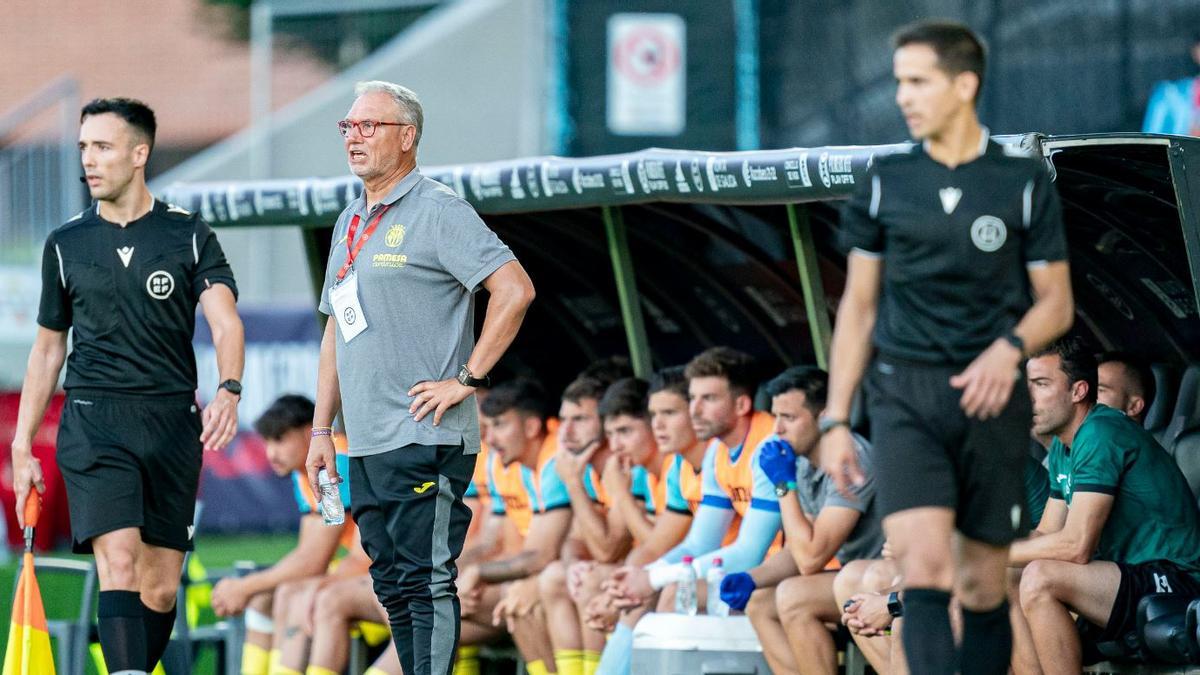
{"x":861,"y":496}
{"x":466,"y":247}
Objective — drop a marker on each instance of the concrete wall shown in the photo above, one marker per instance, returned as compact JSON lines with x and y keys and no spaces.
{"x":479,"y":67}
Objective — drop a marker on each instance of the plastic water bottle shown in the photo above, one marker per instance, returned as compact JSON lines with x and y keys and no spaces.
{"x":685,"y":589}
{"x":716,"y":606}
{"x":331,"y":500}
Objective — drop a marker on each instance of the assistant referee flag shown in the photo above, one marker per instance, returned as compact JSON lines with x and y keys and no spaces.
{"x":28,"y":649}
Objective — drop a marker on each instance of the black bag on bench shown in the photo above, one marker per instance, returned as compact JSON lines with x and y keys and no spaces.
{"x":1167,"y":628}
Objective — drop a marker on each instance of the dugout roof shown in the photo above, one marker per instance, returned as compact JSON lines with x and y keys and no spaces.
{"x":662,"y":253}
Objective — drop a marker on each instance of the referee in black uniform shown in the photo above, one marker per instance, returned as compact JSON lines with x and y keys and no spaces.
{"x":947,"y":242}
{"x":125,"y":276}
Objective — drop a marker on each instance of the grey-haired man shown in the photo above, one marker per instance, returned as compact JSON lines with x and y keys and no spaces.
{"x":399,"y":359}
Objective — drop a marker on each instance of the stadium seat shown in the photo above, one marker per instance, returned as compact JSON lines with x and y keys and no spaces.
{"x":1139,"y":669}
{"x":1181,"y":438}
{"x":1186,"y":415}
{"x":225,"y":636}
{"x":1166,"y":387}
{"x":367,"y":639}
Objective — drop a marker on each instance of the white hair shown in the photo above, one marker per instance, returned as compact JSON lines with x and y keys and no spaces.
{"x":406,"y":100}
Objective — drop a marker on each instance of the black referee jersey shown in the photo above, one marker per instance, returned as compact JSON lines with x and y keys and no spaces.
{"x":956,"y":245}
{"x":130,"y":294}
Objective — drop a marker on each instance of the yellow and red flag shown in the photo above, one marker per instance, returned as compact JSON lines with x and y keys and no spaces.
{"x":28,"y":651}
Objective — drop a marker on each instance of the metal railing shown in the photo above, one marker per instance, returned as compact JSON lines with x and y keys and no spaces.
{"x":38,"y":169}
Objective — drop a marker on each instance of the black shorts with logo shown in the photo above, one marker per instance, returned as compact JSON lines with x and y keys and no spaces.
{"x":130,"y":462}
{"x":929,"y":453}
{"x":1118,"y":639}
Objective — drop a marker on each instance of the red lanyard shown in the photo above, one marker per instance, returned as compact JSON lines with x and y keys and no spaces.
{"x":352,"y":247}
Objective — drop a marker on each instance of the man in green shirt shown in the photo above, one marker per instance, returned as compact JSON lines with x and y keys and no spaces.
{"x":1125,"y":382}
{"x":1120,"y":522}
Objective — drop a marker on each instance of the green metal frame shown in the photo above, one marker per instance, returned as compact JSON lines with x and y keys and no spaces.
{"x":627,"y":291}
{"x":810,"y":281}
{"x":316,"y":261}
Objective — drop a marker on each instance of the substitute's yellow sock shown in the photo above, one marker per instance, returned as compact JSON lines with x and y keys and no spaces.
{"x":277,"y":667}
{"x":318,"y":670}
{"x":591,"y":661}
{"x":375,"y":671}
{"x":255,"y":659}
{"x":468,"y":661}
{"x":569,"y":661}
{"x":536,"y":668}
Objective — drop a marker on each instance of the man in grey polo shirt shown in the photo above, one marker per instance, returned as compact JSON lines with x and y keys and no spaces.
{"x":399,"y":359}
{"x":793,"y":592}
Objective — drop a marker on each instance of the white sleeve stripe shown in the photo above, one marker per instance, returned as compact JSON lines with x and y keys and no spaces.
{"x":62,"y":276}
{"x":875,"y":196}
{"x":195,"y":251}
{"x":1027,"y":204}
{"x":1037,"y":264}
{"x":873,"y":255}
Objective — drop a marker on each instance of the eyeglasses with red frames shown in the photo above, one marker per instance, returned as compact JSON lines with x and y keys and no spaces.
{"x":366,"y":127}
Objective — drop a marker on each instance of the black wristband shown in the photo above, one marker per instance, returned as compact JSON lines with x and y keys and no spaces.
{"x":1015,"y":340}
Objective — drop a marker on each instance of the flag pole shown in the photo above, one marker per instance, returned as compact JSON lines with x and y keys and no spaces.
{"x":33,"y":508}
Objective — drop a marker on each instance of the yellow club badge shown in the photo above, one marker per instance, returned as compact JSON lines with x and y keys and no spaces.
{"x":395,"y":236}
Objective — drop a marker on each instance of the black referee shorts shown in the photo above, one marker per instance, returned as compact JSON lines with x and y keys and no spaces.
{"x":131,"y":462}
{"x":929,"y":453}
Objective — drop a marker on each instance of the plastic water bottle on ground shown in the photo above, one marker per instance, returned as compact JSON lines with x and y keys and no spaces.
{"x":685,"y":589}
{"x":331,"y":500}
{"x":715,"y":605}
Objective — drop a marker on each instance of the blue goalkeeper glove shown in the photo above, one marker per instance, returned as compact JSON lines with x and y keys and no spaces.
{"x":778,"y":460}
{"x":736,"y":589}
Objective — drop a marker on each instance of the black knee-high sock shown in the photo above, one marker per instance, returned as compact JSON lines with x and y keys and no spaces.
{"x":122,"y":631}
{"x":158,"y":633}
{"x":987,"y":640}
{"x":928,"y":640}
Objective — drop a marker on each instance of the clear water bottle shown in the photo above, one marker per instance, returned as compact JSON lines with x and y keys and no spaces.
{"x":685,"y":589}
{"x":712,"y":580}
{"x":331,"y":500}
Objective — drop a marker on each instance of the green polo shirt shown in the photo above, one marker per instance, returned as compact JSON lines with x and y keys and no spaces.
{"x":1154,"y":514}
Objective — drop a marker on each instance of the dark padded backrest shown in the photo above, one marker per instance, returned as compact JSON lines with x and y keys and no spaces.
{"x":1186,"y":417}
{"x":1166,"y":385}
{"x":1187,"y":456}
